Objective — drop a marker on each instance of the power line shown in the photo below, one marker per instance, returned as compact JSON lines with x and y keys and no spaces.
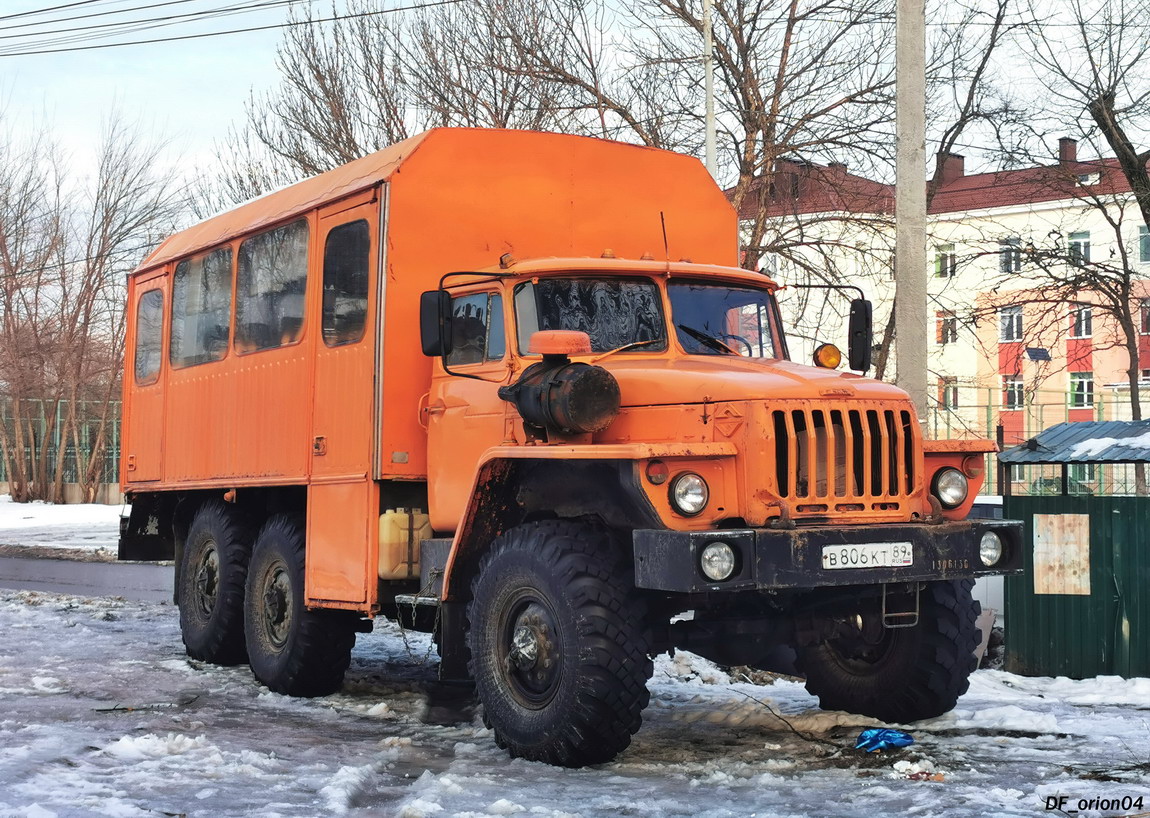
{"x":50,"y":8}
{"x":171,"y":19}
{"x":113,"y":252}
{"x":111,"y":13}
{"x":233,"y":31}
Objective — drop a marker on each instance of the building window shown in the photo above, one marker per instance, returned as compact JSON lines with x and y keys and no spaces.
{"x":1012,"y":391}
{"x":1079,"y":248}
{"x":948,"y":392}
{"x":1088,"y":179}
{"x":945,"y":261}
{"x":1081,"y":321}
{"x":270,"y":288}
{"x":1145,"y":376}
{"x":1083,"y":472}
{"x":1081,"y":390}
{"x":1144,"y":308}
{"x":945,"y":328}
{"x":1143,"y":244}
{"x":1009,"y":324}
{"x":1010,"y":255}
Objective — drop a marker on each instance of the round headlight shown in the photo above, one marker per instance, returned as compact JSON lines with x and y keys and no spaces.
{"x":689,"y":494}
{"x":950,"y":487}
{"x":990,"y":549}
{"x":717,"y":561}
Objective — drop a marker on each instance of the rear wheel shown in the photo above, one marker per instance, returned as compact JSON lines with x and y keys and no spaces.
{"x":212,"y":577}
{"x":900,"y":674}
{"x":559,"y":650}
{"x":291,"y":649}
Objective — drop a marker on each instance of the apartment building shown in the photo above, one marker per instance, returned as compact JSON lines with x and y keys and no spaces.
{"x":1021,"y":336}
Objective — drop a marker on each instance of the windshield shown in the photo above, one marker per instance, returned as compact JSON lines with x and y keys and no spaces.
{"x":615,"y":312}
{"x":722,"y":319}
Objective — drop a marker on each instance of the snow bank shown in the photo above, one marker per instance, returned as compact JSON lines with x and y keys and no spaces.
{"x":90,"y":527}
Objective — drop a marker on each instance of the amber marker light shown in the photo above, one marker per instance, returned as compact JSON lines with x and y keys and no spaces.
{"x":657,"y":472}
{"x":828,"y":356}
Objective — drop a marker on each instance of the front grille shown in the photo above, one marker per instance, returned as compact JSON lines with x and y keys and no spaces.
{"x":839,"y":455}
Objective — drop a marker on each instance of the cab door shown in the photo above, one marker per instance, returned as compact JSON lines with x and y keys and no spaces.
{"x":143,"y":451}
{"x":465,"y":415}
{"x":343,"y":504}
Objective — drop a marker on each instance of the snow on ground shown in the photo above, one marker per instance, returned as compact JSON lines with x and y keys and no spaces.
{"x":103,"y":714}
{"x":88,"y":527}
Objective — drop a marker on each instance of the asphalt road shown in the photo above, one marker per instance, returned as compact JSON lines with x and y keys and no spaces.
{"x":145,"y":582}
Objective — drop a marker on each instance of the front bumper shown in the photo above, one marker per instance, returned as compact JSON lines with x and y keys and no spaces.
{"x":793,"y":558}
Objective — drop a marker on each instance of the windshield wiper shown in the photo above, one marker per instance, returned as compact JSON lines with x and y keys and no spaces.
{"x":625,"y":347}
{"x":706,"y":340}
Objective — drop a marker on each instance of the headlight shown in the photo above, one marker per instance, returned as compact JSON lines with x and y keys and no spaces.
{"x":950,"y":487}
{"x":990,"y":549}
{"x":717,"y":561}
{"x":689,"y":494}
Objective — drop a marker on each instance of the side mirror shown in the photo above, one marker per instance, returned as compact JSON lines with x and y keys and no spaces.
{"x":860,"y":336}
{"x":435,"y":323}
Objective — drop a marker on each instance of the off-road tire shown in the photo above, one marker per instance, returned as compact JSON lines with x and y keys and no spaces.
{"x":212,"y":579}
{"x":917,"y":673}
{"x":570,"y":576}
{"x":291,"y":649}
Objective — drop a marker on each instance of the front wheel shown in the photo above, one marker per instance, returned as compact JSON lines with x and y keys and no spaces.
{"x":900,"y":674}
{"x":291,"y":649}
{"x":559,"y":649}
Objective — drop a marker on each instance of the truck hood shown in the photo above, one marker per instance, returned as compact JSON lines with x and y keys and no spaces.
{"x":661,"y":382}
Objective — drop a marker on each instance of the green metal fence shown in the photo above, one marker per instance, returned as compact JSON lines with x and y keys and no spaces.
{"x":1082,"y":606}
{"x":43,"y":423}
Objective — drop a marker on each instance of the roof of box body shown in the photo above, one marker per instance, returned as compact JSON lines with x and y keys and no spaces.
{"x":283,"y":204}
{"x":355,"y":176}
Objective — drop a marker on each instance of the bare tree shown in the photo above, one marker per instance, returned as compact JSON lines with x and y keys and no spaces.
{"x":1094,"y":57}
{"x":64,"y":252}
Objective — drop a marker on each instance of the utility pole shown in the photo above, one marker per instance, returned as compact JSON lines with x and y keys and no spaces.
{"x":910,"y":201}
{"x":709,"y":89}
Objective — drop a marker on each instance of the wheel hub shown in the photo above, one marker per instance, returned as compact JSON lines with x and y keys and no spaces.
{"x":277,"y":600}
{"x":207,"y":581}
{"x":532,"y":659}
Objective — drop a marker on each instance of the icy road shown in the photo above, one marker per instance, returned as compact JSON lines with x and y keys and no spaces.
{"x":102,"y":714}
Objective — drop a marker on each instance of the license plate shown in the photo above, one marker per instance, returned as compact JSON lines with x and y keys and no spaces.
{"x":870,"y":555}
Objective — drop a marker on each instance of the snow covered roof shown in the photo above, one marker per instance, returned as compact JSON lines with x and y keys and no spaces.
{"x":1111,"y":441}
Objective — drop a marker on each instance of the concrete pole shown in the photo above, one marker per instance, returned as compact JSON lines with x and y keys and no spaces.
{"x":709,"y":89}
{"x":910,"y":201}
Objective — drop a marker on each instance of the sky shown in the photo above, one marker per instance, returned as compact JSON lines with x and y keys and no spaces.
{"x":187,"y":92}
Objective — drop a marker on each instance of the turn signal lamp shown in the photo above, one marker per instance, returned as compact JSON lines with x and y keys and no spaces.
{"x":657,"y":472}
{"x":828,"y":356}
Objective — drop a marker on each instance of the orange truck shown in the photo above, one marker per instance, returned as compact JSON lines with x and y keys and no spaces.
{"x":511,"y":389}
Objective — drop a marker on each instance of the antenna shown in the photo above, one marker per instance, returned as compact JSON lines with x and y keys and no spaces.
{"x":666,"y":249}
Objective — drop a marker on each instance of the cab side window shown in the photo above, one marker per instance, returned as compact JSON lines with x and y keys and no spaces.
{"x":272,"y":281}
{"x":149,"y":337}
{"x":201,"y":309}
{"x":346,"y":255}
{"x":477,"y":329}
